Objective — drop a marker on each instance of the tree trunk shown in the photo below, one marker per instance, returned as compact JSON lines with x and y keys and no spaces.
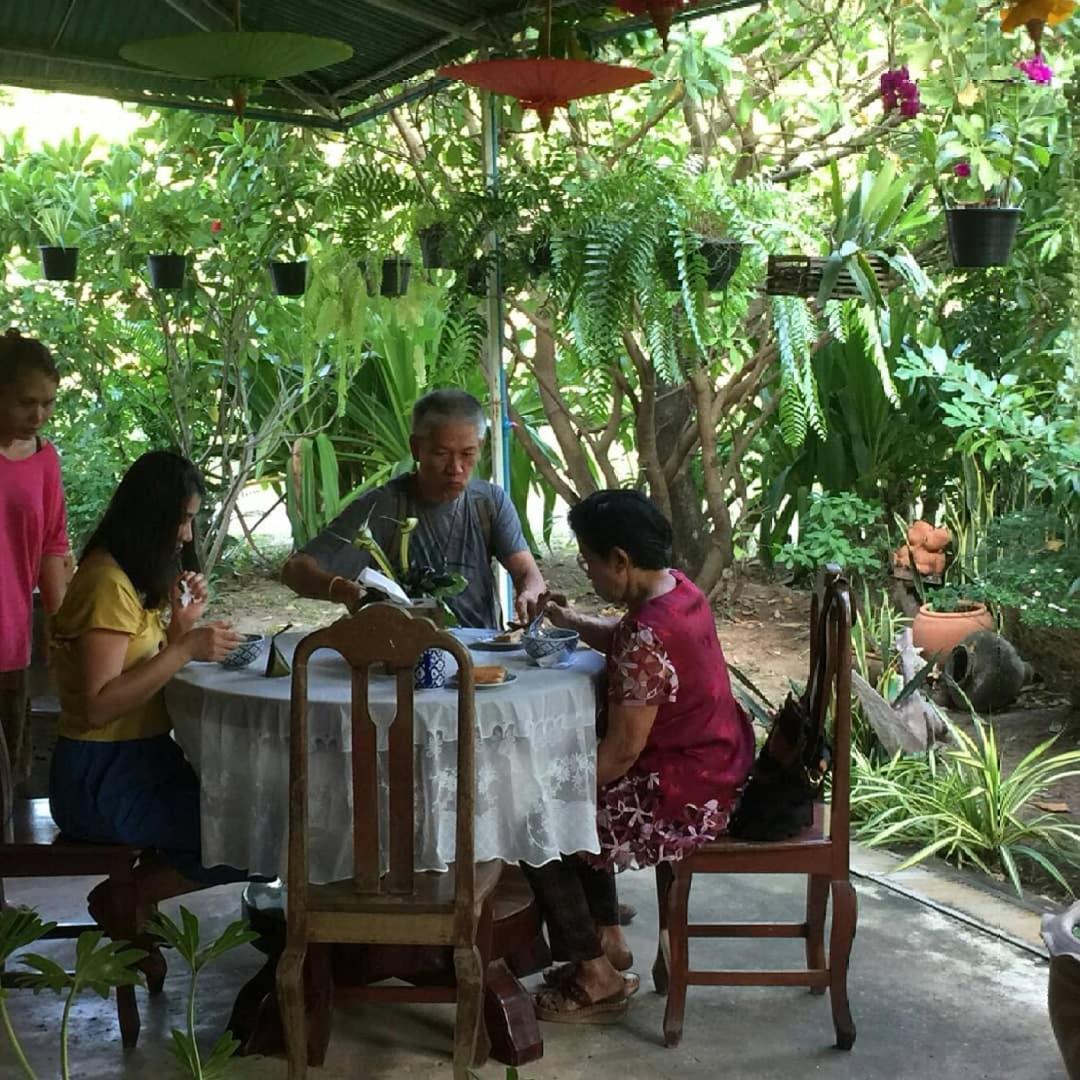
{"x":674,"y":408}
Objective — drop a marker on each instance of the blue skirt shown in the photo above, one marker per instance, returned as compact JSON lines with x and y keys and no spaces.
{"x":138,"y":791}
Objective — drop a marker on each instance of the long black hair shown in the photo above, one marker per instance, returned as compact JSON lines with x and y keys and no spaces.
{"x":140,"y":526}
{"x":627,"y":520}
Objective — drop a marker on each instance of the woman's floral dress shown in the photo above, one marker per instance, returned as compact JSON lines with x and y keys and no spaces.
{"x":682,"y":789}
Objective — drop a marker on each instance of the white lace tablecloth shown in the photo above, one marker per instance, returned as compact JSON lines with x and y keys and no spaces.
{"x":535,"y":761}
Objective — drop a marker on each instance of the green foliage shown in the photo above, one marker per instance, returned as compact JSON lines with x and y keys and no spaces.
{"x":1030,"y":562}
{"x":100,"y":966}
{"x":841,"y":529}
{"x":185,"y":938}
{"x":962,"y":805}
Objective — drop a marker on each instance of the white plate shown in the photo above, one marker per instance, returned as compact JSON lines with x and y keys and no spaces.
{"x":452,"y":683}
{"x":490,"y":645}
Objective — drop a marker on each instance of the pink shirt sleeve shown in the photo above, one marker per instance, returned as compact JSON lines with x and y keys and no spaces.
{"x":54,"y":536}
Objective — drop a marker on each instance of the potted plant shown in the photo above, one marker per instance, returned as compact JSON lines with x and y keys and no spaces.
{"x":375,"y":212}
{"x":945,"y":618}
{"x":288,"y":266}
{"x":433,"y":235}
{"x":981,"y":157}
{"x":64,"y":218}
{"x":706,"y":238}
{"x":169,"y":225}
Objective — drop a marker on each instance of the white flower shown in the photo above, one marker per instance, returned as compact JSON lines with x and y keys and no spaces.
{"x":1037,"y":593}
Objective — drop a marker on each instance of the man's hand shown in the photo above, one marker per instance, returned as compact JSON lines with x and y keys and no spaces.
{"x":526,"y":605}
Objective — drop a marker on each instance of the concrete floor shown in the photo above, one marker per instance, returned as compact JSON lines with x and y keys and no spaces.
{"x":932,"y":998}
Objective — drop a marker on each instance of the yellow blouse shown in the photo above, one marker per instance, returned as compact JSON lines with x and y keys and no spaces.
{"x":102,"y":597}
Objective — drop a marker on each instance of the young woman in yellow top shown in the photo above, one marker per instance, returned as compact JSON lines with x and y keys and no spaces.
{"x":116,"y":775}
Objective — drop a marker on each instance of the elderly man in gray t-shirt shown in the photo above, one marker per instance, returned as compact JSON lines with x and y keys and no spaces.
{"x":462,"y":524}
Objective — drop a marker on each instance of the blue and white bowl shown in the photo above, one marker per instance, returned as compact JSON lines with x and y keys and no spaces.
{"x":244,"y":653}
{"x":551,"y":647}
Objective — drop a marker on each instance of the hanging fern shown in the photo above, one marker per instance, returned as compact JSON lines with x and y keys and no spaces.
{"x":800,"y":407}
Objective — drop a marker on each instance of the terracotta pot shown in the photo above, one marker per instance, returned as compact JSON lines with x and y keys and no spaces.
{"x":937,"y":540}
{"x":917,"y":533}
{"x":937,"y":633}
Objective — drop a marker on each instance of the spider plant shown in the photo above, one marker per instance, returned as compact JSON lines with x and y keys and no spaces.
{"x":962,"y":805}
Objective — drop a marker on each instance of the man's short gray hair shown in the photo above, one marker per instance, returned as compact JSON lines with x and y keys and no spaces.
{"x":447,"y":407}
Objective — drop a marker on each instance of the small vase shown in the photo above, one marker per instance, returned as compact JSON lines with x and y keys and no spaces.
{"x":167,"y":270}
{"x":981,"y":235}
{"x":430,"y":670}
{"x":395,"y":277}
{"x":433,"y":246}
{"x":289,"y":278}
{"x":59,"y":263}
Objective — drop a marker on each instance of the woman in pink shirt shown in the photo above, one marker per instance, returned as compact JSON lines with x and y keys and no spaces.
{"x":33,"y":523}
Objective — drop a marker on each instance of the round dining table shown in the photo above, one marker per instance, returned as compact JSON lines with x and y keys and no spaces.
{"x":535,"y":760}
{"x":536,"y":797}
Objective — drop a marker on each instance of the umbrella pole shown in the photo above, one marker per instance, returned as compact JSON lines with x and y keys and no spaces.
{"x":496,"y":373}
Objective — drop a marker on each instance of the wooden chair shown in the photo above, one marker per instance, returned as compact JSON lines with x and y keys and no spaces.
{"x":32,"y":846}
{"x":401,"y":906}
{"x":821,"y":856}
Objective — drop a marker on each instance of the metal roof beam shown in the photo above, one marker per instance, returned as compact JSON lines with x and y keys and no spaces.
{"x":644,"y":22}
{"x":426,"y":50}
{"x":406,"y":97}
{"x":414,"y":14}
{"x":208,"y":17}
{"x":92,"y":63}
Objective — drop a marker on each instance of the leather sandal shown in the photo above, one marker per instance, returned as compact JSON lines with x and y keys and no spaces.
{"x":571,"y":1004}
{"x":557,"y":974}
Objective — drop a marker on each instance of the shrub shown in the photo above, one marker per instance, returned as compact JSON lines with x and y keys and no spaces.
{"x":960,"y":804}
{"x":838,"y":528}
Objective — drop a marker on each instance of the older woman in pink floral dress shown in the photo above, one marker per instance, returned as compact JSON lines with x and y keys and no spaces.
{"x":674,"y":754}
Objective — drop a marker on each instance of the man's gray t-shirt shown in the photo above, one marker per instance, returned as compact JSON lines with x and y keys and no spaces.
{"x":464,"y":535}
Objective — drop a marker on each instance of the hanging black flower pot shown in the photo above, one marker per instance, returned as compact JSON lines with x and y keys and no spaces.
{"x":476,"y":282}
{"x":982,"y":235}
{"x":289,"y":278}
{"x":59,"y":263}
{"x":395,"y":276}
{"x":433,"y":246}
{"x":167,"y":271}
{"x":722,"y":259}
{"x":540,"y":257}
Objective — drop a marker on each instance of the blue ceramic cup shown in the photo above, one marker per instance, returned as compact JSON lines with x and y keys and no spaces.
{"x":430,"y":670}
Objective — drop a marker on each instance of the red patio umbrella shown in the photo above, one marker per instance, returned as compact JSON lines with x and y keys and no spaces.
{"x":545,"y":84}
{"x":662,"y":12}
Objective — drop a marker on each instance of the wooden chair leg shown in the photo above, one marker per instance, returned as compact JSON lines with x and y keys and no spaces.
{"x":660,"y":964}
{"x":127,"y":1014}
{"x":290,"y":989}
{"x":679,"y":958}
{"x":127,"y":1010}
{"x":817,"y":903}
{"x":470,"y":1008}
{"x":845,"y":915}
{"x":484,"y":938}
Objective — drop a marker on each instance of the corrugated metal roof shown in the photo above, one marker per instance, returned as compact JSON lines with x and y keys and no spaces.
{"x":74,"y":45}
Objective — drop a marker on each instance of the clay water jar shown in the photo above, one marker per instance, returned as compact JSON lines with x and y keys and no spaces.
{"x":937,"y":633}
